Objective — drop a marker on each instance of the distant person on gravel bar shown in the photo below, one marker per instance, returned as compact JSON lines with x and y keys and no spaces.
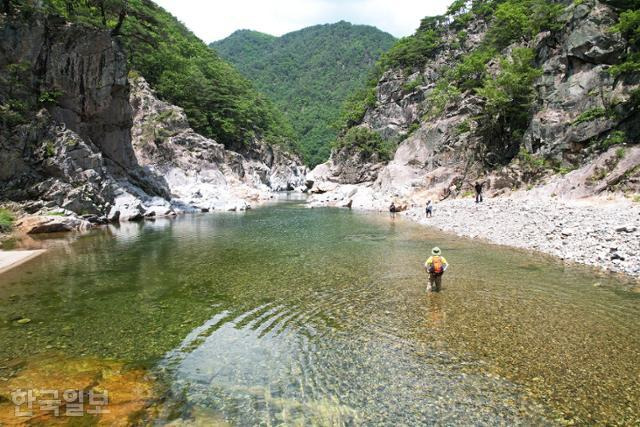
{"x":429,"y":209}
{"x":393,"y":209}
{"x":435,"y":266}
{"x":478,"y":187}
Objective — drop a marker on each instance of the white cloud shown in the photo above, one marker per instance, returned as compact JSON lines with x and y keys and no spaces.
{"x":214,"y":20}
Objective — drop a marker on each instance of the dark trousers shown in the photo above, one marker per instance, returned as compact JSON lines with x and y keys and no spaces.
{"x":478,"y":197}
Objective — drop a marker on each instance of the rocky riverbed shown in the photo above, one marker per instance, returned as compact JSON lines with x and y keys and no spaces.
{"x":601,"y":233}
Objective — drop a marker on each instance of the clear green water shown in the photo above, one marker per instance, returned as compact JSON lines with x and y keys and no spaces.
{"x":288,"y":314}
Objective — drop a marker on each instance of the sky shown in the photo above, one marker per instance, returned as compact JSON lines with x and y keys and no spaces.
{"x":213,"y":20}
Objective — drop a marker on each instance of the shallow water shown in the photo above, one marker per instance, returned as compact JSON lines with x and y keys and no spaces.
{"x":288,"y":314}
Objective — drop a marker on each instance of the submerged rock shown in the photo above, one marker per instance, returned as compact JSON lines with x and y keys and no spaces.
{"x":128,"y":391}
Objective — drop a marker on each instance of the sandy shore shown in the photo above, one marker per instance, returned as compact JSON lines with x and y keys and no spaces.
{"x":604,"y":234}
{"x":11,"y":259}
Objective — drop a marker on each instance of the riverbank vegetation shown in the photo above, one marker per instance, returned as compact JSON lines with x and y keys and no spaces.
{"x":218,"y":101}
{"x":6,"y":220}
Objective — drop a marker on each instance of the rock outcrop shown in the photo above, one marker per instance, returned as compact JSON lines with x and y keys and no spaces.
{"x":76,"y":136}
{"x":198,"y":171}
{"x":51,"y":224}
{"x":577,"y":104}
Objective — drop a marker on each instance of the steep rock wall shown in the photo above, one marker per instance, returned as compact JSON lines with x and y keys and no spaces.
{"x":66,"y":134}
{"x":436,"y":154}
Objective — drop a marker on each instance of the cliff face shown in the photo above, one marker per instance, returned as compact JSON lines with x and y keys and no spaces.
{"x":66,"y":117}
{"x":576,"y":101}
{"x":84,"y":70}
{"x":199,"y":171}
{"x":66,"y":134}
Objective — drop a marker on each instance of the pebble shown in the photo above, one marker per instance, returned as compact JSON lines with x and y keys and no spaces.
{"x":585,"y":233}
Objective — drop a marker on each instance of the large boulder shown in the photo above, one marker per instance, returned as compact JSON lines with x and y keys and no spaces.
{"x":51,"y":224}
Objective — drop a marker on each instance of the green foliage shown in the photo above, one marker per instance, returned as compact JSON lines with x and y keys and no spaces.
{"x":507,"y":98}
{"x":437,"y":100}
{"x":629,"y":26}
{"x":630,"y":65}
{"x":620,"y":153}
{"x":457,"y":7}
{"x":624,"y":4}
{"x":218,"y":101}
{"x":471,"y":70}
{"x":414,"y":51}
{"x":13,"y":113}
{"x":463,"y":127}
{"x":6,"y":220}
{"x":367,"y":142}
{"x":521,"y":20}
{"x":589,"y":115}
{"x":49,"y":97}
{"x":413,"y":128}
{"x":529,"y":160}
{"x":356,"y":105}
{"x":535,"y":166}
{"x":16,"y":104}
{"x":616,"y":137}
{"x":49,"y":149}
{"x":309,"y":74}
{"x":412,"y":85}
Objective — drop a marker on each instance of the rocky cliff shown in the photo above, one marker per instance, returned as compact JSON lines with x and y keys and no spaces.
{"x":198,"y":171}
{"x":578,"y":135}
{"x":68,"y":114}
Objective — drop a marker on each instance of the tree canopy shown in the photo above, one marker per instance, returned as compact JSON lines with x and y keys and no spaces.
{"x":219,"y":102}
{"x":308,"y":74}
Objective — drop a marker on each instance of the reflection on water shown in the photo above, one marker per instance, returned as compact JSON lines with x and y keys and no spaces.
{"x":286,"y":314}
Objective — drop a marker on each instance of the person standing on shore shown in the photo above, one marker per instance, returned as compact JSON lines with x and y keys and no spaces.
{"x":478,"y":188}
{"x":429,"y":209}
{"x":393,"y":210}
{"x":435,"y":266}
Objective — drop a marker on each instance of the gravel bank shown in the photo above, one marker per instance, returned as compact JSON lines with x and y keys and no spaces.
{"x":603,"y":234}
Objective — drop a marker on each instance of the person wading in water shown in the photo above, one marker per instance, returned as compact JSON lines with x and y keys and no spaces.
{"x":478,"y":188}
{"x":393,"y":210}
{"x":435,"y":266}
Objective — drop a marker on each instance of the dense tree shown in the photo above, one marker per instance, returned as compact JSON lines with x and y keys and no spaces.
{"x":218,"y":101}
{"x":507,"y":108}
{"x":308,"y":74}
{"x":629,"y":27}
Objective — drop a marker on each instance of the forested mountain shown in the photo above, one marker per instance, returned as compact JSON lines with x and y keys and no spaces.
{"x":308,"y":73}
{"x":219,"y":102}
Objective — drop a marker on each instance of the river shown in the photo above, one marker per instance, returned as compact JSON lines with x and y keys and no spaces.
{"x":297,"y":315}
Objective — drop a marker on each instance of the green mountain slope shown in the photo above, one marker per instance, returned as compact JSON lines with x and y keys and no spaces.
{"x":219,"y":102}
{"x":308,"y":73}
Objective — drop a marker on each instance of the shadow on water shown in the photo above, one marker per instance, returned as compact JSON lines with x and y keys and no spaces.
{"x":287,"y":314}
